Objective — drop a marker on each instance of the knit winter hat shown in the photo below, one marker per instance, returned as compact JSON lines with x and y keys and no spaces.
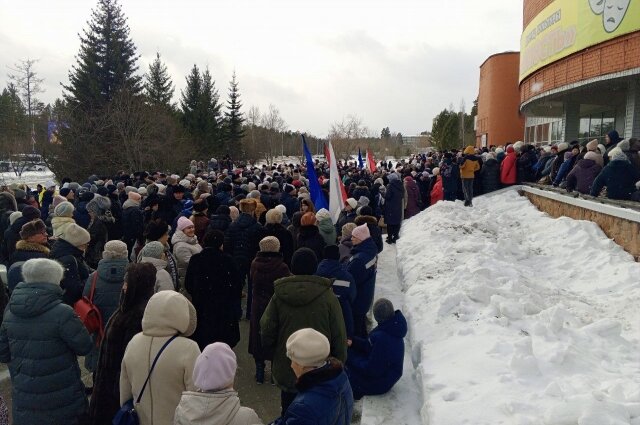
{"x":592,"y":156}
{"x":254,"y":194}
{"x":270,"y":244}
{"x":281,"y":208}
{"x":42,"y":270}
{"x":142,"y":191}
{"x":57,"y":200}
{"x":234,"y":213}
{"x":331,"y":252}
{"x":615,"y":154}
{"x":352,"y":203}
{"x":99,"y":205}
{"x":393,"y":177}
{"x":76,"y":235}
{"x":30,"y":213}
{"x":115,"y":250}
{"x":592,"y":145}
{"x":304,"y":262}
{"x":348,"y":228}
{"x":200,"y":206}
{"x":14,"y":216}
{"x":436,"y":171}
{"x":602,"y":149}
{"x":323,"y":214}
{"x":183,"y":223}
{"x":273,"y":216}
{"x":308,"y":347}
{"x":32,"y":228}
{"x":383,"y":310}
{"x":153,"y":249}
{"x":624,"y":145}
{"x":361,"y":232}
{"x":134,"y":196}
{"x":215,"y":367}
{"x":563,"y":146}
{"x":308,"y":219}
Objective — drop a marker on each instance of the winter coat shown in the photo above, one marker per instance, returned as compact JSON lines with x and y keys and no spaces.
{"x":345,"y":248}
{"x":490,"y":176}
{"x":437,"y":193}
{"x":284,"y":237}
{"x":343,"y":285}
{"x":219,"y":222}
{"x":564,"y":170}
{"x":41,"y":338}
{"x":47,"y":200}
{"x":266,"y":268}
{"x":120,"y":329}
{"x":12,"y":236}
{"x":450,"y":172}
{"x":619,"y":177}
{"x":60,"y":226}
{"x":542,"y":167}
{"x":344,"y":218}
{"x":106,"y":296}
{"x":362,"y":267}
{"x":508,"y":169}
{"x":132,"y":223}
{"x":555,"y":165}
{"x":76,"y":270}
{"x":99,"y":237}
{"x":327,"y":231}
{"x":374,"y":365}
{"x":468,"y":166}
{"x":324,"y":398}
{"x":201,"y":224}
{"x":309,"y":237}
{"x":24,"y":251}
{"x":184,"y":247}
{"x":582,"y":176}
{"x":241,"y":241}
{"x":81,"y":215}
{"x":413,"y":198}
{"x":524,"y":166}
{"x":167,"y":314}
{"x":394,"y":203}
{"x":163,"y":278}
{"x":215,"y":286}
{"x":374,"y":229}
{"x":548,"y":166}
{"x":213,"y":408}
{"x":300,"y":302}
{"x":290,"y":203}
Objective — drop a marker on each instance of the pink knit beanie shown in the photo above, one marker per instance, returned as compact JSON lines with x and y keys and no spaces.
{"x":183,"y":223}
{"x":361,"y":232}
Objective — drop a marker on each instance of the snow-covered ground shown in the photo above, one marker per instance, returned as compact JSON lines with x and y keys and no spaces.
{"x":31,"y":178}
{"x":515,"y":318}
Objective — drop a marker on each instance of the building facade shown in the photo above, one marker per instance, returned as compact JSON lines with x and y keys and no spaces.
{"x":580,"y":69}
{"x":499,"y":120}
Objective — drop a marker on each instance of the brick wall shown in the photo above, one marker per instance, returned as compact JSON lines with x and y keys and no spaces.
{"x":531,"y":10}
{"x":615,"y":55}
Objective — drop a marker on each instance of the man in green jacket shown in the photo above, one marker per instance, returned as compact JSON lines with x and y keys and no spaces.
{"x":300,"y":301}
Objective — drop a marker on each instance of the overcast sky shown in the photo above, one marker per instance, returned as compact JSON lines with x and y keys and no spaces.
{"x":392,"y":63}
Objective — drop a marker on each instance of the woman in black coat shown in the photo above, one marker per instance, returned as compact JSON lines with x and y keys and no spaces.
{"x":121,"y":327}
{"x":309,"y":235}
{"x":393,"y":207}
{"x":215,"y":286}
{"x":490,"y":175}
{"x":273,"y":227}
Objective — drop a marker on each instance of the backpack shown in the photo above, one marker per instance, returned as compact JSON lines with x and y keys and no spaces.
{"x":88,"y":312}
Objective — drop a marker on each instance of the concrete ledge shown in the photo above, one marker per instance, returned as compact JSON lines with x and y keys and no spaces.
{"x":619,"y":220}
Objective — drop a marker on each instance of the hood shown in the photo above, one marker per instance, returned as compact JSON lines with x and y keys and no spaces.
{"x":33,"y":299}
{"x":326,"y":225}
{"x":469,"y":150}
{"x":395,"y":185}
{"x":130,"y":203}
{"x":301,"y":290}
{"x":8,"y":202}
{"x":209,"y":408}
{"x":168,"y":313}
{"x":396,"y":326}
{"x":245,"y":220}
{"x":360,"y":220}
{"x":159,"y":263}
{"x":179,"y":236}
{"x":112,"y":270}
{"x":367,"y":246}
{"x":586,"y":163}
{"x":330,"y":268}
{"x":58,"y":221}
{"x":23,"y":245}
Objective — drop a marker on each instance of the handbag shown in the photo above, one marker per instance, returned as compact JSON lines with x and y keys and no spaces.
{"x":127,"y":414}
{"x":90,"y":314}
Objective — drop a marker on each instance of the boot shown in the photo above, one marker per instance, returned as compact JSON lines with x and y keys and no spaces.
{"x":259,"y":371}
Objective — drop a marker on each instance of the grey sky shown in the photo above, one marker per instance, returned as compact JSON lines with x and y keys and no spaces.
{"x":392,"y":63}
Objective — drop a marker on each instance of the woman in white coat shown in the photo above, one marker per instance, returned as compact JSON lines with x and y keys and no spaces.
{"x":185,"y":245}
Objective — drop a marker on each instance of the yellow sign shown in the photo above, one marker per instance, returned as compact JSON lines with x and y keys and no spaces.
{"x":568,"y":26}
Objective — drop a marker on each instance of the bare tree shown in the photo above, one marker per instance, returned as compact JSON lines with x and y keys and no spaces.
{"x":347,"y":135}
{"x":253,"y":122}
{"x":275,"y":126}
{"x":29,"y":86}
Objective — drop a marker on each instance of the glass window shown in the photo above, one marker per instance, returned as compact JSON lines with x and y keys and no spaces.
{"x":584,"y":128}
{"x":595,"y":127}
{"x":608,"y":124}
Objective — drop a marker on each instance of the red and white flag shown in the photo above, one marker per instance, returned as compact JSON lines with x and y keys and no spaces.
{"x":337,"y":192}
{"x":371,"y":163}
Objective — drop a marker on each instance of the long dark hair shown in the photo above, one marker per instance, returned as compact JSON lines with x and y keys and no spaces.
{"x":141,"y":280}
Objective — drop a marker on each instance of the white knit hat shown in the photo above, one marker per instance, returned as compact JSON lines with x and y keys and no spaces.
{"x":42,"y":270}
{"x":115,"y":250}
{"x":76,"y":235}
{"x":308,"y":347}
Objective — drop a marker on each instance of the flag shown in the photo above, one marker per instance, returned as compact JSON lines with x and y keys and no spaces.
{"x":314,"y":187}
{"x":337,"y":192}
{"x":371,"y":163}
{"x":360,"y":162}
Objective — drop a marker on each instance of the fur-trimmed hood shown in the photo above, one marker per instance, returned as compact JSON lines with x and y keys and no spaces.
{"x":23,"y":245}
{"x":369,"y":219}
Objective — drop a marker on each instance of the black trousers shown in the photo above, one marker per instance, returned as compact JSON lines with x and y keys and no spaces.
{"x":467,"y":189}
{"x":393,"y":231}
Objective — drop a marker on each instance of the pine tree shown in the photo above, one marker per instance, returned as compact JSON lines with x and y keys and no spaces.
{"x":234,"y":120}
{"x":158,"y":85}
{"x":106,"y":61}
{"x":190,"y":103}
{"x":210,"y":116}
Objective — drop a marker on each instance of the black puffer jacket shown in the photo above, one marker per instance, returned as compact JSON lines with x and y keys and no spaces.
{"x":132,"y":224}
{"x":219,"y":222}
{"x":490,"y":176}
{"x":310,"y":237}
{"x":76,"y":270}
{"x":241,"y":241}
{"x":284,"y":237}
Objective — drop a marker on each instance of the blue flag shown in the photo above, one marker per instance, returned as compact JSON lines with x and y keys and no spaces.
{"x":314,"y":187}
{"x":360,"y":161}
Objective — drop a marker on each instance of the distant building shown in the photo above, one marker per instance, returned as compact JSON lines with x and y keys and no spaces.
{"x":499,"y":120}
{"x":421,"y":141}
{"x":579,"y":70}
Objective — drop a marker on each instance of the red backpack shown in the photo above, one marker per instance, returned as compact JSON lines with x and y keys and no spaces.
{"x":88,"y":312}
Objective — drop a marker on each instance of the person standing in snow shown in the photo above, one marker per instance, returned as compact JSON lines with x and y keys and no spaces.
{"x":362,"y":266}
{"x":343,"y":284}
{"x":394,"y":201}
{"x":374,"y":364}
{"x":508,"y":168}
{"x":450,"y":173}
{"x":469,"y":164}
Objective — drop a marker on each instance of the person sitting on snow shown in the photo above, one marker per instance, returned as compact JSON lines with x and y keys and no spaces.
{"x":374,"y":365}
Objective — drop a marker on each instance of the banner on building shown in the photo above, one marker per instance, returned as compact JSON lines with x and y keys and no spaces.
{"x":568,"y":26}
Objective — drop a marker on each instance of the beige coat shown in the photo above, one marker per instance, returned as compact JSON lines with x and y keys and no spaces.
{"x":184,"y":248}
{"x":163,"y":278}
{"x":219,"y":408}
{"x":60,"y":225}
{"x":168,"y":313}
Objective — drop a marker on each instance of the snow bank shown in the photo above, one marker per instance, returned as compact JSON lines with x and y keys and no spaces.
{"x":518,"y":318}
{"x":31,"y":178}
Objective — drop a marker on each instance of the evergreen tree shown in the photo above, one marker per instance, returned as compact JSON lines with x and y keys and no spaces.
{"x":158,"y":85}
{"x":234,"y":120}
{"x":106,"y":61}
{"x":190,"y":103}
{"x":210,"y":114}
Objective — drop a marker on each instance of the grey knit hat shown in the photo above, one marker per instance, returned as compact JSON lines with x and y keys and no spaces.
{"x":153,"y":249}
{"x":270,"y":244}
{"x":99,"y":205}
{"x":115,"y":250}
{"x":64,"y":209}
{"x":383,"y":310}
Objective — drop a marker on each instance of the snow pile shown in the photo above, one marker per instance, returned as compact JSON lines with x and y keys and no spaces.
{"x":30,"y":178}
{"x":519,"y":318}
